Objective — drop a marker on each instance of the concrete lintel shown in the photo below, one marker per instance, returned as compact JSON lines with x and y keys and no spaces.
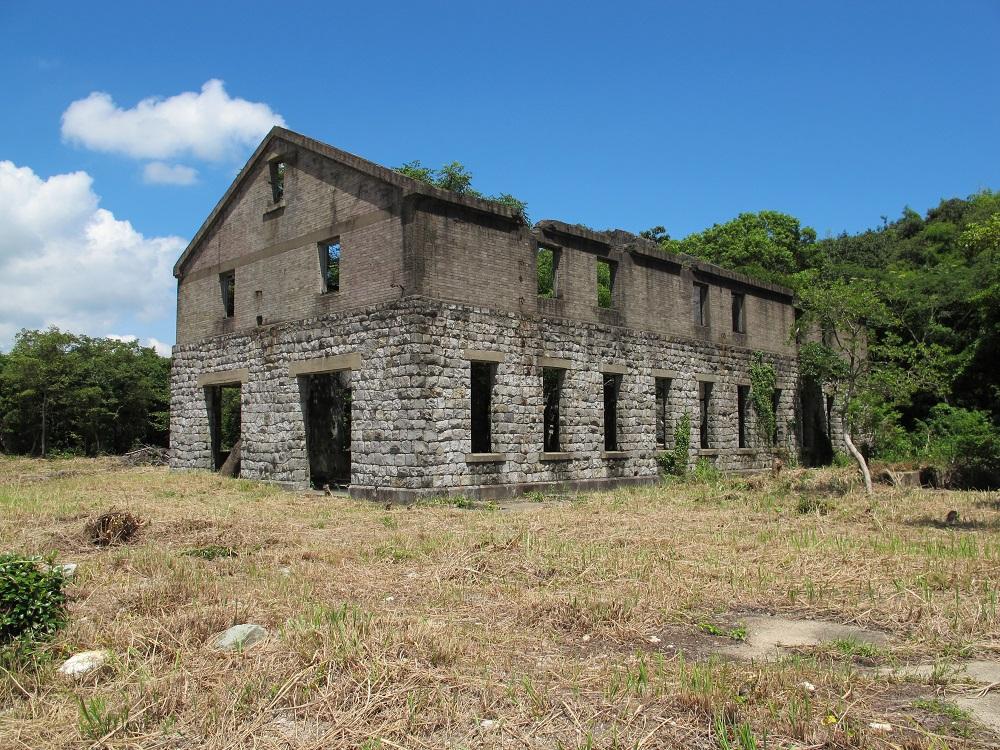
{"x":672,"y":374}
{"x":225,"y":377}
{"x":609,"y":369}
{"x":703,"y":377}
{"x":485,"y":458}
{"x":554,"y":362}
{"x":317,"y":365}
{"x":483,"y":355}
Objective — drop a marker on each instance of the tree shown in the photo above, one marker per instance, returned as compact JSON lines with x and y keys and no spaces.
{"x":767,"y":245}
{"x":455,"y":177}
{"x":838,"y":317}
{"x":64,"y":392}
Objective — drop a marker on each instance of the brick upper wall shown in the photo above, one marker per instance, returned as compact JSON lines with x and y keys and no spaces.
{"x":398,"y":242}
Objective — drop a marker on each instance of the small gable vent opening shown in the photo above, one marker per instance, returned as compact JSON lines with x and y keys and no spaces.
{"x":277,"y":180}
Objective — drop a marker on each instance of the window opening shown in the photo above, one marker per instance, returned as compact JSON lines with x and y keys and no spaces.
{"x":227,"y":281}
{"x":700,"y":304}
{"x":612,"y":386}
{"x":329,"y":258}
{"x":704,"y":408}
{"x":605,"y":282}
{"x":326,"y":401}
{"x":739,"y":315}
{"x":225,"y":416}
{"x":742,"y":400}
{"x":482,"y":377}
{"x":662,"y":403}
{"x":548,"y":272}
{"x":552,"y":381}
{"x":775,"y":400}
{"x":277,"y":181}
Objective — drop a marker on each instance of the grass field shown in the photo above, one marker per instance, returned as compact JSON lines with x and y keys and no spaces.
{"x":602,"y":620}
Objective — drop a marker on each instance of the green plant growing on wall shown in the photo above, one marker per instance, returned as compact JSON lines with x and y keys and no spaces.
{"x":675,"y":461}
{"x":682,"y":444}
{"x":762,"y":383}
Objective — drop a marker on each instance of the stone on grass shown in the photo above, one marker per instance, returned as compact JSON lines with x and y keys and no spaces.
{"x":237,"y":637}
{"x":84,"y":664}
{"x":67,"y":569}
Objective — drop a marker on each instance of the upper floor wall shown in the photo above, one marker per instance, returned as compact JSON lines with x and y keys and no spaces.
{"x":261,"y":258}
{"x":274,"y":250}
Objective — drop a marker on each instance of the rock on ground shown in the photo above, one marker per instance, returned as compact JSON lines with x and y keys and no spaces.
{"x":84,"y":664}
{"x":236,"y":637}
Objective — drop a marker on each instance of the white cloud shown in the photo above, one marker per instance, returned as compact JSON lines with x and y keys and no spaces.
{"x":209,"y":124}
{"x":158,"y":173}
{"x":65,"y":261}
{"x":162,"y":349}
{"x":153,"y":343}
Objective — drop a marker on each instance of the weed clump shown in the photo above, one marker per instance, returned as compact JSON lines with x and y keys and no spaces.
{"x":212,"y":552}
{"x":32,"y":598}
{"x":113,"y":527}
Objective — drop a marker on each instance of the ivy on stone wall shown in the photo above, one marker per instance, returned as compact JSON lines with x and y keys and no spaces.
{"x":762,"y":383}
{"x":675,"y":461}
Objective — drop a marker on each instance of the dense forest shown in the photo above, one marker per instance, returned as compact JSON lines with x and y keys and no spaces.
{"x":924,"y":290}
{"x":65,"y":393}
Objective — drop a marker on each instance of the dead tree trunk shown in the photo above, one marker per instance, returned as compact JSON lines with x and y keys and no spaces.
{"x":231,"y":466}
{"x":861,"y":462}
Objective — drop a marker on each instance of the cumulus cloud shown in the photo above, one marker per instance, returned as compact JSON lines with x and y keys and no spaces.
{"x":158,"y":173}
{"x":65,"y":261}
{"x":153,"y":343}
{"x":208,"y":125}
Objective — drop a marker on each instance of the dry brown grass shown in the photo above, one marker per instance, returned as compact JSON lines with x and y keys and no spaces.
{"x":412,"y":627}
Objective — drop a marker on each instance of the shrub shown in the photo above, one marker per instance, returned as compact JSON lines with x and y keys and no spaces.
{"x":32,"y":599}
{"x":965,"y":444}
{"x":675,"y":461}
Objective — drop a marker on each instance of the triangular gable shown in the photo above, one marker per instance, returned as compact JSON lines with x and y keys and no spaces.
{"x":377,"y":171}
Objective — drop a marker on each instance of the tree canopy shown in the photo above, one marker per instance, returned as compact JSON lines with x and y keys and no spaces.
{"x":925,"y":291}
{"x":62,"y":392}
{"x":456,"y":178}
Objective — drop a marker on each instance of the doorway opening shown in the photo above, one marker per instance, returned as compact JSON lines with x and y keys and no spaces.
{"x":225,"y":417}
{"x":326,"y":399}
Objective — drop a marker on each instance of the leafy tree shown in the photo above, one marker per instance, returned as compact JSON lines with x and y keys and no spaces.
{"x":456,"y":178}
{"x":64,"y":392}
{"x":767,"y":245}
{"x":841,"y":313}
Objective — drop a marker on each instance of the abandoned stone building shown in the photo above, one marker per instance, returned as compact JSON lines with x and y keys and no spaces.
{"x":394,"y":338}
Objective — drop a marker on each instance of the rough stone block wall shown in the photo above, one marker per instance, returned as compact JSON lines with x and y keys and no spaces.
{"x":411,"y":417}
{"x":273,"y":430}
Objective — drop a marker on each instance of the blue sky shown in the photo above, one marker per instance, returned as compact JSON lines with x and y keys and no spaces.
{"x":613,"y":115}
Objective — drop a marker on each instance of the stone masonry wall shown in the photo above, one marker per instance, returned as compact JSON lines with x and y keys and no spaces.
{"x":411,"y":398}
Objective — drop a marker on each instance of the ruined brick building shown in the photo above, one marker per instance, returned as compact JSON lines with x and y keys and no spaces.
{"x":390,"y":336}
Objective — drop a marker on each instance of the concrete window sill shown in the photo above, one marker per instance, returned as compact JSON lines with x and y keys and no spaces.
{"x":555,"y":456}
{"x":746,"y":452}
{"x":485,"y":458}
{"x":614,"y":454}
{"x":274,"y":208}
{"x":708,"y":451}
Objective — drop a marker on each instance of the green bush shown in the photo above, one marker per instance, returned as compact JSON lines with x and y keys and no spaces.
{"x":965,"y":445}
{"x":32,"y":598}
